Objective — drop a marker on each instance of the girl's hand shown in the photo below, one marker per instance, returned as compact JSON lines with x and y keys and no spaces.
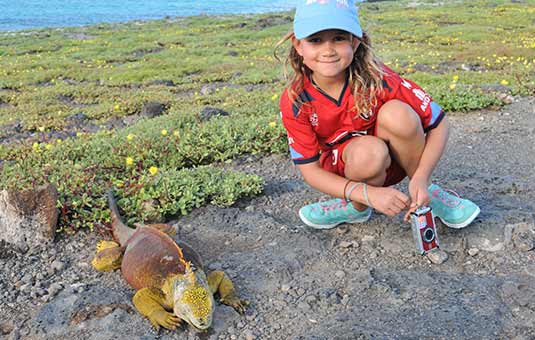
{"x":389,"y":201}
{"x":418,"y":195}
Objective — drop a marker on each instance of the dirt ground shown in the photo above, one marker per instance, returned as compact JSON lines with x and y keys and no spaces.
{"x":361,"y":281}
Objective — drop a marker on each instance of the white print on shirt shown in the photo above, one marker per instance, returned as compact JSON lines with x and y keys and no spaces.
{"x":290,"y":140}
{"x":423,"y":97}
{"x":406,"y":84}
{"x":335,"y":156}
{"x":314,"y":119}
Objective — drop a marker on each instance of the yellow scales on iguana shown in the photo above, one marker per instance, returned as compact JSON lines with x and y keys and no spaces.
{"x":167,"y":274}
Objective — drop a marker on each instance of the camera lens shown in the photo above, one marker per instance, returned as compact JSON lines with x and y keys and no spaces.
{"x":428,"y":235}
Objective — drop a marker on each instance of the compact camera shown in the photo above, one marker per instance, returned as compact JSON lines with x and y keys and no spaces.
{"x":424,"y":230}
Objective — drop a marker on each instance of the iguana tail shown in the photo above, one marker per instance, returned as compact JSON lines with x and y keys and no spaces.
{"x":121,"y":232}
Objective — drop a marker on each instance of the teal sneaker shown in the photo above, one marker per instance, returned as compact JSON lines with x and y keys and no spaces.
{"x":329,"y":214}
{"x":453,"y":211}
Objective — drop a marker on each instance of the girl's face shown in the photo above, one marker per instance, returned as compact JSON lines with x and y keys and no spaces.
{"x":327,"y":53}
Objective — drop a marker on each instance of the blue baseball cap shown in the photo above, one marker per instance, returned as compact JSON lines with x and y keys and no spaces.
{"x":312,"y":16}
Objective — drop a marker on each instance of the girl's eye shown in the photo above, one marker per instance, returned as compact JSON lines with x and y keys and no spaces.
{"x":314,"y":40}
{"x":340,"y":38}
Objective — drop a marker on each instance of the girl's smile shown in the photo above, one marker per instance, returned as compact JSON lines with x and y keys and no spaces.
{"x":327,"y":54}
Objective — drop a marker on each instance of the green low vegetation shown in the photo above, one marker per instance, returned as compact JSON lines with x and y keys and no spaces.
{"x":465,"y":53}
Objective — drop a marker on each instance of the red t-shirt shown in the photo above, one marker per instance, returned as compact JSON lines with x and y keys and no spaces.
{"x":317,"y":121}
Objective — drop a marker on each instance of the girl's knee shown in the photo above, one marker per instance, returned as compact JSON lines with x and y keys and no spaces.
{"x":368,"y":156}
{"x":399,"y":118}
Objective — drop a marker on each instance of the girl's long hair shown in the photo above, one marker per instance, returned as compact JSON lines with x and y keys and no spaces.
{"x":365,"y":74}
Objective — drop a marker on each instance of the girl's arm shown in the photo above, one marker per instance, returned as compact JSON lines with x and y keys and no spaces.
{"x":389,"y":201}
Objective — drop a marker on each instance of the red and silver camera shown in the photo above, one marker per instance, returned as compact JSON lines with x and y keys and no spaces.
{"x":424,"y":230}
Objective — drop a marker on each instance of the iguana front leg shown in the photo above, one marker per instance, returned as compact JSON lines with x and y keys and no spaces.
{"x":108,"y":257}
{"x":150,"y":303}
{"x":101,"y":245}
{"x":220,"y":283}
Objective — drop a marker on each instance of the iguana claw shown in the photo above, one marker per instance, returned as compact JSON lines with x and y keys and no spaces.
{"x":235,"y":302}
{"x":165,"y":319}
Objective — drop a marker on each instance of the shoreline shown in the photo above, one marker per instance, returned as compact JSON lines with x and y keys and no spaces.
{"x":168,"y":18}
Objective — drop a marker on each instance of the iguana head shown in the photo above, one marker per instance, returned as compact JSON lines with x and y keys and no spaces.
{"x":108,"y":259}
{"x":193,"y":300}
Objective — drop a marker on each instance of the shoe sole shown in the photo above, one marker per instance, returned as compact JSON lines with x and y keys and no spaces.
{"x":465,"y":223}
{"x":330,"y":226}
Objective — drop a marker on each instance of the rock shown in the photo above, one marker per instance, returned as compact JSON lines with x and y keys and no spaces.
{"x":208,"y":112}
{"x":6,"y":328}
{"x":76,"y":119}
{"x":437,"y":256}
{"x":152,"y":109}
{"x":248,"y":335}
{"x":523,"y":240}
{"x":345,"y":244}
{"x":54,"y":288}
{"x":57,"y":266}
{"x":505,"y":98}
{"x":520,"y":236}
{"x":340,"y":274}
{"x":29,"y":216}
{"x":473,"y":251}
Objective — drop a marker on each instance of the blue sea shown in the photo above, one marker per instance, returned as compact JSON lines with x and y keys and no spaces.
{"x":30,"y":14}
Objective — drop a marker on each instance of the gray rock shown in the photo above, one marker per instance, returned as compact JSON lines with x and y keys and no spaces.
{"x":208,"y":112}
{"x":152,"y":109}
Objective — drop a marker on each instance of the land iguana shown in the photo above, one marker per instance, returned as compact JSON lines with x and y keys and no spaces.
{"x":166,"y":273}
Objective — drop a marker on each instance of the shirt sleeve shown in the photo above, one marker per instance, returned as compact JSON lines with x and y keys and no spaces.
{"x":302,"y":140}
{"x":396,"y":87}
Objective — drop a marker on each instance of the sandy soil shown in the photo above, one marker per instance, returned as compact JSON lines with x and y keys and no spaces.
{"x":353,"y":282}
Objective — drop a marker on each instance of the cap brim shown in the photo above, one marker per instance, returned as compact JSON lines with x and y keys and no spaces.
{"x":309,"y":26}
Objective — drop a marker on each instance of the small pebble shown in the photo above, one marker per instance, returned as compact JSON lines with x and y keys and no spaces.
{"x":345,"y":244}
{"x":340,"y":274}
{"x":473,"y":251}
{"x":437,"y":256}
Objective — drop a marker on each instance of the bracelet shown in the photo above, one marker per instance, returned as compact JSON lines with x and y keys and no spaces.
{"x":365,"y":194}
{"x":352,"y":188}
{"x":345,"y":188}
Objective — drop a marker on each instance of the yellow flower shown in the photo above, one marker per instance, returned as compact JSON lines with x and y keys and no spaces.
{"x":153,"y":170}
{"x":274,"y":97}
{"x":272,"y":125}
{"x":48,"y":146}
{"x":504,"y":82}
{"x":79,"y":134}
{"x":119,"y":184}
{"x":455,"y":77}
{"x":452,"y":86}
{"x":59,"y":141}
{"x":164,"y":132}
{"x":176,"y":133}
{"x":130,"y":136}
{"x":36,"y":147}
{"x":116,"y":107}
{"x":129,"y":161}
{"x":41,"y":128}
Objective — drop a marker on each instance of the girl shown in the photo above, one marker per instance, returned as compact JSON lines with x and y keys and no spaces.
{"x":355,"y":127}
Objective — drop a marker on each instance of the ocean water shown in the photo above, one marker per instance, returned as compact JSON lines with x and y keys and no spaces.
{"x":30,"y":14}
